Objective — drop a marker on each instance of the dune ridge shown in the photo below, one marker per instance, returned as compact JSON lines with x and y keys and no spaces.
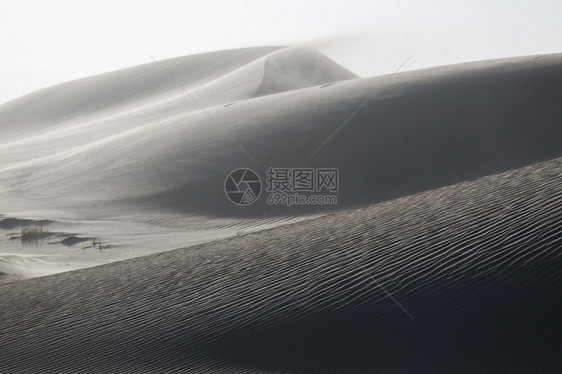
{"x":287,"y":69}
{"x":214,"y":77}
{"x":118,"y":89}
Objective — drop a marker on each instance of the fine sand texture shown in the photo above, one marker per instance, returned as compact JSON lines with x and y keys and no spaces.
{"x":461,"y":279}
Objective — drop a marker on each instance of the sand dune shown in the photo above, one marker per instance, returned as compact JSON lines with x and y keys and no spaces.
{"x":475,"y":267}
{"x":424,"y":129}
{"x":442,"y":254}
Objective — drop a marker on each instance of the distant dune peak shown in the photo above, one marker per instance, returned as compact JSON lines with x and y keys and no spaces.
{"x":298,"y":67}
{"x":283,"y":70}
{"x":214,"y":78}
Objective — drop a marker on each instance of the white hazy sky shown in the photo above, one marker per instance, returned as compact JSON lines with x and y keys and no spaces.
{"x":48,"y":42}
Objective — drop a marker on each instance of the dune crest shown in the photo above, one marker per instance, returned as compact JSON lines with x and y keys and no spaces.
{"x":283,"y":70}
{"x":120,"y":90}
{"x":296,"y":68}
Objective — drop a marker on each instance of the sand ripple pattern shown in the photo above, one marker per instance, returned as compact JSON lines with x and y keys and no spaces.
{"x":476,"y":266}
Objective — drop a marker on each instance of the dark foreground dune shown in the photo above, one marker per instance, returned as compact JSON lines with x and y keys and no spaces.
{"x":473,"y":270}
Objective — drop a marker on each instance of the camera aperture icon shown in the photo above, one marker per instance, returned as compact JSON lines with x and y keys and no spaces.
{"x":242,"y":186}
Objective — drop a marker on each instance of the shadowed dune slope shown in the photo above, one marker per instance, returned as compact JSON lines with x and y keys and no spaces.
{"x":391,"y":137}
{"x":420,"y":130}
{"x":473,"y":270}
